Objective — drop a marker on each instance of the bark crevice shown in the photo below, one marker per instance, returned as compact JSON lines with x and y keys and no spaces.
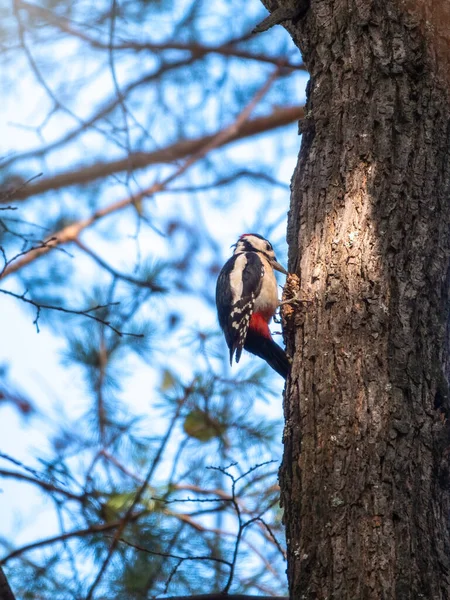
{"x":365,"y":472}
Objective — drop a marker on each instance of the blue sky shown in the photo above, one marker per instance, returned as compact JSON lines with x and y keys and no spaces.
{"x":35,"y":361}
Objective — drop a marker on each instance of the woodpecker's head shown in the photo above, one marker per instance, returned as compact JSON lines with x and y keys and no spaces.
{"x":253,"y":242}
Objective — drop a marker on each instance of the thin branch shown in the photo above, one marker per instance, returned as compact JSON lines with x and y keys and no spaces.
{"x":223,"y":181}
{"x":68,"y":549}
{"x":85,"y":313}
{"x":20,"y":464}
{"x":9,"y":188}
{"x":226,"y":49}
{"x":138,"y":282}
{"x":274,"y":539}
{"x":45,"y":485}
{"x":106,"y":454}
{"x":101,"y":410}
{"x":241,"y":524}
{"x":20,"y":402}
{"x":222,"y":496}
{"x":185,"y":518}
{"x":137,"y":497}
{"x":112,"y":66}
{"x":140,"y":160}
{"x":68,"y":535}
{"x":57,"y":104}
{"x":101,"y":113}
{"x":71,"y":232}
{"x":177,"y":557}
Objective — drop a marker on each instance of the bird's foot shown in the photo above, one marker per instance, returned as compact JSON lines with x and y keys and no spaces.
{"x":299,"y":298}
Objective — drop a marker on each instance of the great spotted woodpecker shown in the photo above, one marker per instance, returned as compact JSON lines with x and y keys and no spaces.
{"x":247,"y":298}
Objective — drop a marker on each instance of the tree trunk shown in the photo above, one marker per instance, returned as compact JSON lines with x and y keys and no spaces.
{"x":365,"y":475}
{"x":5,"y":590}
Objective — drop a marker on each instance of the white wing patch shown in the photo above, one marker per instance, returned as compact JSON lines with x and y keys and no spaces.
{"x":236,"y":281}
{"x":246,"y":281}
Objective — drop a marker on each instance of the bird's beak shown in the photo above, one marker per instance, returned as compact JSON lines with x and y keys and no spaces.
{"x":276,"y":265}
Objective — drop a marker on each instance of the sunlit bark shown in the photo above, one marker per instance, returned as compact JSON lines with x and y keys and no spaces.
{"x":365,"y":473}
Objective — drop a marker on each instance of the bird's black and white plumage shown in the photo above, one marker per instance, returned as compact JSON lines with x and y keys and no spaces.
{"x":247,"y":298}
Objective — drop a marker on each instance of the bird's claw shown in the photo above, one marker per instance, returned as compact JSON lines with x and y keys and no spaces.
{"x":297,"y":299}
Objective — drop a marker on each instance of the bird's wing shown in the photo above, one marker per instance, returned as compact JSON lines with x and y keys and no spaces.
{"x":238,"y":285}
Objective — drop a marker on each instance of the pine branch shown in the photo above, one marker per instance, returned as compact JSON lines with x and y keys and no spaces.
{"x":171,"y":555}
{"x":107,"y":108}
{"x":235,"y":131}
{"x":137,"y":497}
{"x":124,"y":277}
{"x":92,"y":530}
{"x":85,"y":312}
{"x":199,"y":50}
{"x":45,"y":485}
{"x":140,"y":160}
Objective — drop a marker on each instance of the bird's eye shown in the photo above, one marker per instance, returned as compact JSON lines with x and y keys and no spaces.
{"x":268,"y":246}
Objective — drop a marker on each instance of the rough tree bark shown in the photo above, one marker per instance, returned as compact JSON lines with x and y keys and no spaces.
{"x":365,"y":484}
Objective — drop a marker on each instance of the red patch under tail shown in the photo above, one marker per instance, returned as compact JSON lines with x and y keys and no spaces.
{"x":259,"y":325}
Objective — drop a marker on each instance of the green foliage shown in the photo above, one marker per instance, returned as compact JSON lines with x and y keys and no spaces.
{"x":203,"y":427}
{"x":141,"y":441}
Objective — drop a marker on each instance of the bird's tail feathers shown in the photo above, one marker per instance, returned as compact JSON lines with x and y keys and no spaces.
{"x":270,"y":351}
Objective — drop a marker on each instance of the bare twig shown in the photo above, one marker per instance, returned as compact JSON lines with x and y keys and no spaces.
{"x":119,"y":94}
{"x":226,"y":49}
{"x":140,"y":160}
{"x":87,"y":312}
{"x":18,"y":400}
{"x":20,"y":464}
{"x":133,"y":280}
{"x":242,"y":525}
{"x":137,"y":497}
{"x":101,"y":410}
{"x":45,"y":485}
{"x":274,"y":539}
{"x":71,"y":232}
{"x":168,"y":555}
{"x":223,"y":181}
{"x":101,"y":113}
{"x":93,"y":529}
